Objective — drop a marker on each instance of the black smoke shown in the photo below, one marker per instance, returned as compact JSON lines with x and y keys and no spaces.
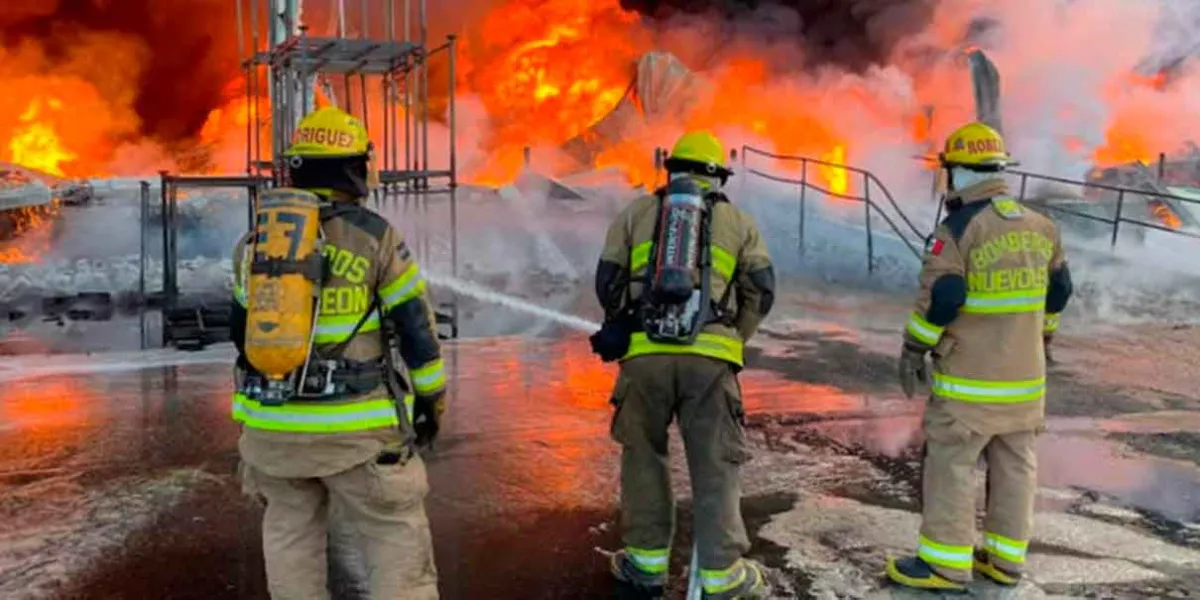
{"x":853,"y":34}
{"x":192,"y":58}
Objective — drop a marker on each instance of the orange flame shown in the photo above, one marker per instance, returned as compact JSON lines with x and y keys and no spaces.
{"x":546,"y":71}
{"x":838,"y":178}
{"x":32,"y":227}
{"x":35,"y":145}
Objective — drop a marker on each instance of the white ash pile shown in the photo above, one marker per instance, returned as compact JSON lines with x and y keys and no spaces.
{"x":115,"y":276}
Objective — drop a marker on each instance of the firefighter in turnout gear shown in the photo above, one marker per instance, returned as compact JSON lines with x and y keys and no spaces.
{"x":685,"y":280}
{"x":348,"y":428}
{"x":993,"y":284}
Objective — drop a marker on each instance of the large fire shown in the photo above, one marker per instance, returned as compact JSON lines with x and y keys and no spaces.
{"x":547,"y":70}
{"x":34,"y":143}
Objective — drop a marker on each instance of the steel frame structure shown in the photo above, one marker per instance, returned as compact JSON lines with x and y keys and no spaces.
{"x":276,"y":47}
{"x":394,"y":68}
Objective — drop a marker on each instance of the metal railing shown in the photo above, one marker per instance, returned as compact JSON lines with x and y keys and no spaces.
{"x":1118,"y":217}
{"x":1120,"y":209}
{"x":869,"y":204}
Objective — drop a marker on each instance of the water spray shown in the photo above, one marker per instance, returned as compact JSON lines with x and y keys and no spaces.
{"x":467,"y":288}
{"x":479,"y":292}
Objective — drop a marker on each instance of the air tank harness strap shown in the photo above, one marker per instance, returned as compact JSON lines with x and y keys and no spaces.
{"x":337,"y":378}
{"x":330,"y":379}
{"x":312,"y":267}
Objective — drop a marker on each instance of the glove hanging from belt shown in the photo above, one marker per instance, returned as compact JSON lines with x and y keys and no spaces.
{"x":913,"y":367}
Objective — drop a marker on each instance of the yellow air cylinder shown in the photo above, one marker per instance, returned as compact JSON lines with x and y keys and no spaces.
{"x":284,"y":281}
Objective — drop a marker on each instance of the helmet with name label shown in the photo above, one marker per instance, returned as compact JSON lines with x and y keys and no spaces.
{"x":976,"y":146}
{"x":331,"y":154}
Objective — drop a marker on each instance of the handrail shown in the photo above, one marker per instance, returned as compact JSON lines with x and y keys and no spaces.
{"x":1024,"y":176}
{"x":804,"y":185}
{"x":867,"y":177}
{"x":1116,"y":220}
{"x":1100,"y":186}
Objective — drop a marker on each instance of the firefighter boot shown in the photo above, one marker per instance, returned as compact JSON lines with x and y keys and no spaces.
{"x":915,"y":573}
{"x":635,"y":583}
{"x":743,"y":581}
{"x":984,"y":566}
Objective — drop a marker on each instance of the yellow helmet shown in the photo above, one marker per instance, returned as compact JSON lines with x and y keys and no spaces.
{"x":975,"y":145}
{"x":329,"y":133}
{"x":699,"y":152}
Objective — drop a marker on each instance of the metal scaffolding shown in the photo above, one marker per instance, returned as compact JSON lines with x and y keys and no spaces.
{"x":377,"y":72}
{"x":385,"y":76}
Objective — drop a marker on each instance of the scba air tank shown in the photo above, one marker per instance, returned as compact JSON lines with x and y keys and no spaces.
{"x":677,"y":269}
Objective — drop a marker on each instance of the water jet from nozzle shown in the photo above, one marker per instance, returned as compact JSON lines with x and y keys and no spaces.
{"x":479,"y":292}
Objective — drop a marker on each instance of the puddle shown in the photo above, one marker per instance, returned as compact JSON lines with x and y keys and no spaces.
{"x":1165,"y":487}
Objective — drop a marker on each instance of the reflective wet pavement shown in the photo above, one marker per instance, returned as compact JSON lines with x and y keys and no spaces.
{"x":118,"y":483}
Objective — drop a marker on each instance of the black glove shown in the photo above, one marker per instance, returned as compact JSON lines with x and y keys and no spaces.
{"x":427,"y":417}
{"x":612,"y":341}
{"x":1047,"y":339}
{"x":913,"y":368}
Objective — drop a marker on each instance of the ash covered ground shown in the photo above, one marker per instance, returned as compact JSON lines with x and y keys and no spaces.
{"x":118,"y":468}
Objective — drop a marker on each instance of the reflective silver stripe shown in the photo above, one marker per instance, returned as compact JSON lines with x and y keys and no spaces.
{"x":648,"y":561}
{"x":429,"y":379}
{"x":404,"y":290}
{"x":989,"y":392}
{"x":942,"y":557}
{"x":327,"y":329}
{"x":725,"y":580}
{"x":1004,"y":549}
{"x":313,"y":418}
{"x":977,"y":301}
{"x":923,"y":330}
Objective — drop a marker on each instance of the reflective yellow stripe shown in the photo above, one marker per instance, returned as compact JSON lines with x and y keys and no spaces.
{"x":716,"y":581}
{"x":316,"y":417}
{"x":335,"y":329}
{"x":923,"y":330}
{"x":651,"y":561}
{"x":951,"y":557}
{"x":639,"y":257}
{"x":430,"y":378}
{"x":723,"y":263}
{"x":999,"y":303}
{"x":1051,"y":323}
{"x":1008,"y":549}
{"x":707,"y":344}
{"x":988,"y":392}
{"x":407,"y":286}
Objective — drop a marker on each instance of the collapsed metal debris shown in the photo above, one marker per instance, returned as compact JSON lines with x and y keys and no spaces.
{"x":661,"y":87}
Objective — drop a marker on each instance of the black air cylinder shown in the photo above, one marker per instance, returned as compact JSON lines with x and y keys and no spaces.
{"x":677,"y":266}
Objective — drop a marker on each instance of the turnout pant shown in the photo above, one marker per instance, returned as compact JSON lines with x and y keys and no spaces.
{"x":704,"y":394}
{"x":383,"y":506}
{"x":949,"y":495}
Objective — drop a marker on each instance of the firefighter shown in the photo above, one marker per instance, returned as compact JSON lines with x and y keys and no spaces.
{"x":694,"y":380}
{"x":357,"y":444}
{"x":993,"y":284}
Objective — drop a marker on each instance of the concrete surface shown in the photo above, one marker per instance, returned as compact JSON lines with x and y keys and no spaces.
{"x":117,"y":470}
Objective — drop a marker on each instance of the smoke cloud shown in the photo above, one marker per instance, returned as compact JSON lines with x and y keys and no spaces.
{"x":168,"y":61}
{"x":850,"y":33}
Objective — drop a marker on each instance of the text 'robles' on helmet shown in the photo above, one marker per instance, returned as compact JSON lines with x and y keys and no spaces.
{"x":975,"y":145}
{"x":329,"y":132}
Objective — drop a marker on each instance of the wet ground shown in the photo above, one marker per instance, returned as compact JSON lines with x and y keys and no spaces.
{"x":117,"y":472}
